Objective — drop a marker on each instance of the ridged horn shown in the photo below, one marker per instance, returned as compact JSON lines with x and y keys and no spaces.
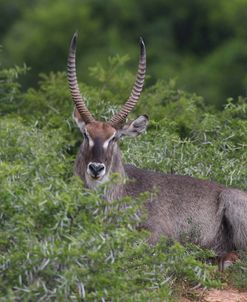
{"x":117,"y":120}
{"x":73,"y":84}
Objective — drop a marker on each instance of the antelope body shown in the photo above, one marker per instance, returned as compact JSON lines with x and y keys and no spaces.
{"x":207,"y":213}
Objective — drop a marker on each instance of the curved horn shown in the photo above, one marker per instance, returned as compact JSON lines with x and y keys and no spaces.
{"x":120,"y":117}
{"x":73,"y":84}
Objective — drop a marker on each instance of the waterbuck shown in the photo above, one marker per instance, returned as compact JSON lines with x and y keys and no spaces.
{"x":182,"y":203}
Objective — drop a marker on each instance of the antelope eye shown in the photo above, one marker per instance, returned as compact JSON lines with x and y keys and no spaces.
{"x":85,"y":135}
{"x":114,"y":139}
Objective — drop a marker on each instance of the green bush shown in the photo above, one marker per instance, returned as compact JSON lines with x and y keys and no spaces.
{"x":10,"y":94}
{"x":62,"y":242}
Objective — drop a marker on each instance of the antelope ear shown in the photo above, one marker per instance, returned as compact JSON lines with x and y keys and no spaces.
{"x":78,"y":119}
{"x":135,"y":127}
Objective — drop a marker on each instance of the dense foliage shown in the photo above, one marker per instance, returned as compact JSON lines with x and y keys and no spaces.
{"x":201,"y":43}
{"x":61,"y":242}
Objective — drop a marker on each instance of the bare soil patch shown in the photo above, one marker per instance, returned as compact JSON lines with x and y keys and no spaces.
{"x":217,"y":295}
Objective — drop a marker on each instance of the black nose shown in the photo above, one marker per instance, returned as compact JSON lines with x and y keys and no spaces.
{"x":96,"y":168}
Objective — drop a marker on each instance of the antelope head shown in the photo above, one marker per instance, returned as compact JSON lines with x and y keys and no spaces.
{"x":99,"y":152}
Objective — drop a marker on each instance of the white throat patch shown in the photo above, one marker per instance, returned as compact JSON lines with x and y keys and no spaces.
{"x":93,"y":183}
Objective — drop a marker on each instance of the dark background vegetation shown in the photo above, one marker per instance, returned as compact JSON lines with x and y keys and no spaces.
{"x":203,"y":44}
{"x":61,"y":242}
